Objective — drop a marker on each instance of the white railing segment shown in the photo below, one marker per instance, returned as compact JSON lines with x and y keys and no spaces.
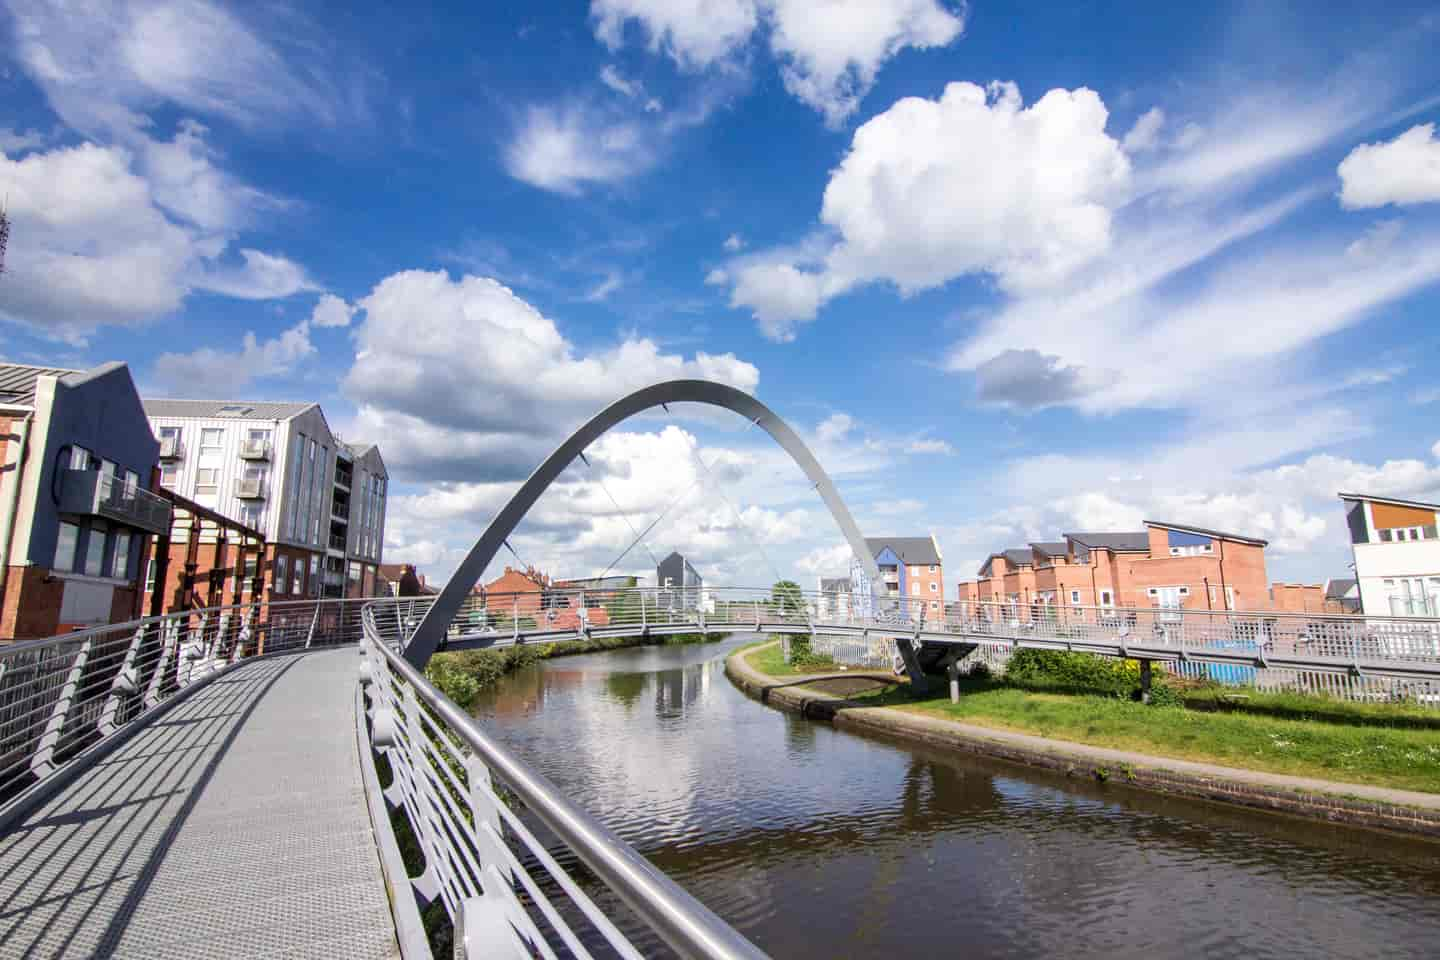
{"x":504,"y":891}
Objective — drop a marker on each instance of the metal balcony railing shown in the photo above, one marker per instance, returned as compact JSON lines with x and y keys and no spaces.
{"x":250,"y":488}
{"x":255,"y":450}
{"x":92,"y":493}
{"x":337,"y":543}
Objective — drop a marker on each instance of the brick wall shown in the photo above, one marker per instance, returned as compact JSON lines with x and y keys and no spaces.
{"x":1298,"y":598}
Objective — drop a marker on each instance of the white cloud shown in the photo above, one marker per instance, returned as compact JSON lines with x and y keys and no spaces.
{"x":923,"y":446}
{"x":931,"y":190}
{"x":829,"y":56}
{"x":187,"y":184}
{"x":734,"y":243}
{"x":331,"y":311}
{"x":612,"y":281}
{"x":833,"y":561}
{"x":460,"y":373}
{"x":616,"y":81}
{"x":1145,"y":135}
{"x":694,"y":33}
{"x":566,"y":148}
{"x":1402,"y":171}
{"x":262,"y":276}
{"x":14,"y":141}
{"x":224,"y":372}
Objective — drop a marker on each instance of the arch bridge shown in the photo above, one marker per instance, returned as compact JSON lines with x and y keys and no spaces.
{"x":282,"y":778}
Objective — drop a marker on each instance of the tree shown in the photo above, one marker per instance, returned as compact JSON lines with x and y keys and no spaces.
{"x":786,"y":594}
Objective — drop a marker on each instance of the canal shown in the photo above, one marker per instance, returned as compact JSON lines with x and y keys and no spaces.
{"x":817,"y":843}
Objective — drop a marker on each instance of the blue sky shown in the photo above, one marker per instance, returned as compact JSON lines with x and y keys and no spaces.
{"x":1013,"y":269}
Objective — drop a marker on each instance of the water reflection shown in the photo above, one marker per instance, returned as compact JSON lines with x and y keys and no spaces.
{"x":819,"y":843}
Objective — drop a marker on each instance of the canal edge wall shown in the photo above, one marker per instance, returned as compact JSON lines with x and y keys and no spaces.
{"x":1255,"y":789}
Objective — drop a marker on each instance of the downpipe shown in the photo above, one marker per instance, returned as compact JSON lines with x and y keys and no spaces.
{"x":7,"y":533}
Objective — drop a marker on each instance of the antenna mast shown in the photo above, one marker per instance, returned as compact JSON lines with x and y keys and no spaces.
{"x":4,"y":232}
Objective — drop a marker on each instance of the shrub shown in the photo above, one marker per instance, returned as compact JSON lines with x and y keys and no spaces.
{"x":1078,"y":672}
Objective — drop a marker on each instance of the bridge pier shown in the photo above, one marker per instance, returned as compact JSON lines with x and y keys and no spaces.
{"x":918,"y":684}
{"x":952,"y":670}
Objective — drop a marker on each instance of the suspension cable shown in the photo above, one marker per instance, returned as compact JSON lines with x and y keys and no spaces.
{"x":623,"y":515}
{"x":738,"y":516}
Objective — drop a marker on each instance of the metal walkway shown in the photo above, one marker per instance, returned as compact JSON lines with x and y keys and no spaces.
{"x":234,"y":825}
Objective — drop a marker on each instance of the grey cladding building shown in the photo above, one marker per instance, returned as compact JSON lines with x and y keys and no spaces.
{"x":679,"y":585}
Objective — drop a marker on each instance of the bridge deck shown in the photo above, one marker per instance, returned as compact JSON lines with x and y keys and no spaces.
{"x":235,"y":825}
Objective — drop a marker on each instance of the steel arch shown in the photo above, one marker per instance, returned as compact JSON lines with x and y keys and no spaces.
{"x":431,"y":630}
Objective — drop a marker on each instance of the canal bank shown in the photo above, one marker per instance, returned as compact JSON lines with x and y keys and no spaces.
{"x":1355,"y":804}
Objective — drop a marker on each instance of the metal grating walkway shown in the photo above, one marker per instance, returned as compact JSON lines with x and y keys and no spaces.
{"x":234,"y":826}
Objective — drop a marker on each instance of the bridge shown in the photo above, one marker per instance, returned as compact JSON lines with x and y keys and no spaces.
{"x":282,"y":779}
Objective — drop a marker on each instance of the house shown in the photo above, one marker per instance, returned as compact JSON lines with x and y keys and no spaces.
{"x":280,"y":469}
{"x":1342,"y":595}
{"x":77,"y":461}
{"x":1165,"y":565}
{"x":1397,"y":554}
{"x":911,"y":567}
{"x":678,"y":585}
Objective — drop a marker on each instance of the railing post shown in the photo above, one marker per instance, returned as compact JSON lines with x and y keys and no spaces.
{"x":315,"y":619}
{"x":169,"y":640}
{"x":515,"y":618}
{"x":644,"y":623}
{"x":40,"y":763}
{"x":125,"y":683}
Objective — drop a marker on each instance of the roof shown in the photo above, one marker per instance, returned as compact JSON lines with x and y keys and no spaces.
{"x":910,"y":550}
{"x":1391,"y":500}
{"x":1337,"y":587}
{"x":1056,"y":548}
{"x":213,"y":409}
{"x":17,"y":381}
{"x":1119,"y":542}
{"x":1218,"y":534}
{"x":1019,"y":557}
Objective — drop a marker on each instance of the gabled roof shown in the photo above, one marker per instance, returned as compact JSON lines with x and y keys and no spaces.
{"x":1393,"y":501}
{"x":1052,"y":549}
{"x":910,"y":550}
{"x":1336,"y":588}
{"x":1201,"y":531}
{"x":1137,"y":542}
{"x":17,"y":381}
{"x":213,"y":409}
{"x":1018,"y":557}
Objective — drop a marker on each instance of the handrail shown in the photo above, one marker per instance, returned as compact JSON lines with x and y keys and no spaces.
{"x":415,"y":725}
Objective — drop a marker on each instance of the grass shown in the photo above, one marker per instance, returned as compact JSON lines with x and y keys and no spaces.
{"x":770,"y":660}
{"x":1385,"y":745}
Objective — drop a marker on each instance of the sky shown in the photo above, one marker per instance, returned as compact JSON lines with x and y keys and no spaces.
{"x":1012,"y":270}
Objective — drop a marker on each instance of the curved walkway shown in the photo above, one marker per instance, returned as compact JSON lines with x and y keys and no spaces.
{"x":234,"y":825}
{"x":1359,"y":804}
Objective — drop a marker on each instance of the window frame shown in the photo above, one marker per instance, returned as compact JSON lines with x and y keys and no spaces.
{"x":69,"y":566}
{"x":218,"y":432}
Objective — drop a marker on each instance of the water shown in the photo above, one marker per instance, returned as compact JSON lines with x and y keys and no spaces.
{"x":819,"y":843}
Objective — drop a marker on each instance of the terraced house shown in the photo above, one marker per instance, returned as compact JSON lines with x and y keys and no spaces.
{"x":911,"y":567}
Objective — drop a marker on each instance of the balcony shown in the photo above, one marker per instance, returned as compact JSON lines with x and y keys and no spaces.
{"x":255,"y":450}
{"x":250,"y":488}
{"x":171,"y":448}
{"x":89,"y":493}
{"x":340,"y":511}
{"x":337,"y":543}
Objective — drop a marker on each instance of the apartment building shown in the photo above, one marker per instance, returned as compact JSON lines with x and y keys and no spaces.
{"x":1165,"y":565}
{"x":1397,"y":554}
{"x":76,"y":463}
{"x":911,"y":567}
{"x":678,"y":584}
{"x":280,"y":469}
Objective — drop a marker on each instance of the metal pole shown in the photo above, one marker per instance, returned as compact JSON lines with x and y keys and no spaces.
{"x":40,"y":763}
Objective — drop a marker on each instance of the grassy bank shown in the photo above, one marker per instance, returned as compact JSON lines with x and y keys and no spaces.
{"x":463,"y":674}
{"x":1389,"y":745}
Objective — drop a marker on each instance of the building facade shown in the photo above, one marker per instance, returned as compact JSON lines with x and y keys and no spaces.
{"x":678,"y":584}
{"x":1397,"y":554}
{"x":1166,"y":565}
{"x":76,"y":464}
{"x":279,"y":468}
{"x":911,"y":567}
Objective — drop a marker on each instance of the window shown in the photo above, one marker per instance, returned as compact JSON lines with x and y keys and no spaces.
{"x":95,"y":552}
{"x":934,"y":587}
{"x":207,"y":481}
{"x":79,"y":458}
{"x":315,"y":575}
{"x":170,"y":433}
{"x":211,"y":438}
{"x":132,"y":482}
{"x":914,"y":588}
{"x":297,"y":585}
{"x":150,"y":576}
{"x":235,"y":410}
{"x":1075,"y":598}
{"x":1192,"y":550}
{"x":252,"y":516}
{"x":1107,"y":599}
{"x":120,"y":561}
{"x":169,"y":475}
{"x":65,"y":546}
{"x":247,"y":577}
{"x":934,"y":604}
{"x":258,"y":436}
{"x":282,"y":573}
{"x":934,"y":568}
{"x":1410,"y":598}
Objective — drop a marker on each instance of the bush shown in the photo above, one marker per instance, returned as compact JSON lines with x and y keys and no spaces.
{"x":1076,"y":672}
{"x":802,"y":657}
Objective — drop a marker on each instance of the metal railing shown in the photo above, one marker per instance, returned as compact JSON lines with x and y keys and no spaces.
{"x":503,"y":889}
{"x":98,"y":494}
{"x":61,"y":695}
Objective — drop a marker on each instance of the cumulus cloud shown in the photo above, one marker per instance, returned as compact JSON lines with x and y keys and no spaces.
{"x":974,"y":182}
{"x":331,"y":311}
{"x":260,"y":276}
{"x":226,"y":372}
{"x":1030,"y":380}
{"x":566,"y":148}
{"x":472,"y":381}
{"x":1402,"y":171}
{"x":828,"y":58}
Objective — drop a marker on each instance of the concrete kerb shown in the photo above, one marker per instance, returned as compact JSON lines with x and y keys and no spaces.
{"x":1354,"y":804}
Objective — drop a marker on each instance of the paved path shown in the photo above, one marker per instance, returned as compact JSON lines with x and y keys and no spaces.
{"x":233,"y":826}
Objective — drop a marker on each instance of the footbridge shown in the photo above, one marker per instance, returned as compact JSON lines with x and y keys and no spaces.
{"x":282,"y":779}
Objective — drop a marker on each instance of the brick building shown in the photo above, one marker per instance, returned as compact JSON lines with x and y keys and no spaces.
{"x":1164,"y":565}
{"x":76,"y":463}
{"x":911,"y":567}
